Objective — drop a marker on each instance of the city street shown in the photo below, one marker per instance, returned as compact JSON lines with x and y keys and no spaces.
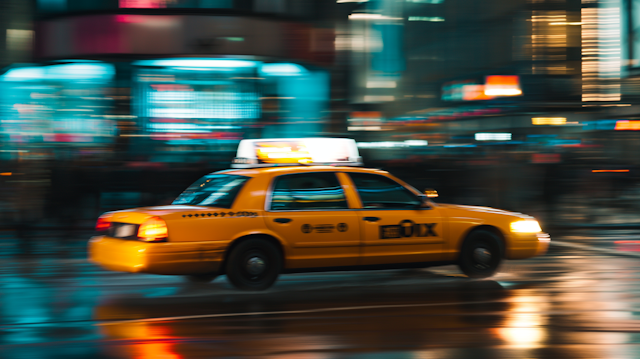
{"x":270,"y":136}
{"x":581,"y":300}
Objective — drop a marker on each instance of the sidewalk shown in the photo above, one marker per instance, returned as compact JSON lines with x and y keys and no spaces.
{"x":38,"y":242}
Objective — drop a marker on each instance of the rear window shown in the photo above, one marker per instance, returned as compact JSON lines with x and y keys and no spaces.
{"x":215,"y":190}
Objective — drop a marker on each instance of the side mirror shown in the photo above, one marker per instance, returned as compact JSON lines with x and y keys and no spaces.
{"x":424,"y":201}
{"x":431,"y":193}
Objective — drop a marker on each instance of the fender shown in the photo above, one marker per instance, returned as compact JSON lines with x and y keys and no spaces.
{"x":264,"y":231}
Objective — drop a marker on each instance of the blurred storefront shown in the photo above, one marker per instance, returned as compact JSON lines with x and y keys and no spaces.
{"x":167,"y":81}
{"x":122,"y":93}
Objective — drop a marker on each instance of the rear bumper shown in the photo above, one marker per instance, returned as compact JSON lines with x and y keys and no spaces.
{"x":521,"y":246}
{"x":156,"y":258}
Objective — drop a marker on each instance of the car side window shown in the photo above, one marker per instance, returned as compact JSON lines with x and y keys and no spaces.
{"x":307,"y":191}
{"x":380,"y":192}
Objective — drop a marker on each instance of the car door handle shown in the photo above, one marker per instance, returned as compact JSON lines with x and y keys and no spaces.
{"x":282,"y":220}
{"x":371,"y":219}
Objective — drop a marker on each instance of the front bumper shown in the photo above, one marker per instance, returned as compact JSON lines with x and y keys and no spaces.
{"x":521,"y":246}
{"x":157,"y":258}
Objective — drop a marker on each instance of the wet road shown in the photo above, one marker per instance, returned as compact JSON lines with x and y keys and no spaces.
{"x":575,"y":302}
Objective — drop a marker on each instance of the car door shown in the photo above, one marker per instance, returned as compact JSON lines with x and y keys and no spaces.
{"x":396,"y":227}
{"x":310,"y":211}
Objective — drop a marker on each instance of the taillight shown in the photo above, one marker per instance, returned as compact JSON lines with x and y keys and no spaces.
{"x":103,"y":223}
{"x":153,"y":229}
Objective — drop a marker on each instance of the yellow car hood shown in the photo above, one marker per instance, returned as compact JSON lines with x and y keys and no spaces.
{"x":480,"y":209}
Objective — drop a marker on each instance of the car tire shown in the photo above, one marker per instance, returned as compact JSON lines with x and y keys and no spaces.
{"x":254,"y":264}
{"x":481,"y":254}
{"x":201,"y":278}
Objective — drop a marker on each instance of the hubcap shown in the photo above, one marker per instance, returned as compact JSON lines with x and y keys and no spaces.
{"x":255,"y":265}
{"x":482,"y":256}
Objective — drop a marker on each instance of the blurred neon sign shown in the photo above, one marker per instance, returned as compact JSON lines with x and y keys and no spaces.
{"x":59,"y":103}
{"x":282,"y":69}
{"x":145,"y":4}
{"x":393,"y":144}
{"x":472,"y":90}
{"x":552,"y":121}
{"x":365,"y":121}
{"x":625,"y":125}
{"x":226,"y":64}
{"x":545,"y":158}
{"x":486,"y":136}
{"x":498,"y":85}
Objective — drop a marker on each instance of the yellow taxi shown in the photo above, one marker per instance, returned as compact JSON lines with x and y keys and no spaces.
{"x":254,"y":223}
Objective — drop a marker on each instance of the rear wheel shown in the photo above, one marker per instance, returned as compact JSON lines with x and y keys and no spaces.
{"x":254,"y":264}
{"x":481,"y":254}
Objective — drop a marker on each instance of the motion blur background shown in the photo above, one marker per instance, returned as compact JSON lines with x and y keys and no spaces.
{"x":527,"y":105}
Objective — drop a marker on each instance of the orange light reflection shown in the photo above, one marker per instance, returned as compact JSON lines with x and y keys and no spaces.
{"x":148,"y":340}
{"x":600,"y":171}
{"x":524,"y":327}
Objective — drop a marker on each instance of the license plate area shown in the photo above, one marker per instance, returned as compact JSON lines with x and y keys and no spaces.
{"x":124,"y":230}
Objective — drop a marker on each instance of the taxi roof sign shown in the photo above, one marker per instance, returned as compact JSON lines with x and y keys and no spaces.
{"x":297,"y":151}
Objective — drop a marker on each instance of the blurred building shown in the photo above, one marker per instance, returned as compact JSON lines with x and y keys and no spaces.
{"x":167,"y":80}
{"x":544,"y":78}
{"x":16,"y":31}
{"x":497,"y":102}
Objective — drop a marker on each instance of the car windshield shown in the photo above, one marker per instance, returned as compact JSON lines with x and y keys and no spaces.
{"x":215,"y":190}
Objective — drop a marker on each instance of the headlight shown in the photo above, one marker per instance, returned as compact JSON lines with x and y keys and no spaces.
{"x":526,"y":226}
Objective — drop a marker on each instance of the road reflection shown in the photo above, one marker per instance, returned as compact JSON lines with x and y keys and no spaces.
{"x":524,"y":327}
{"x":145,"y":340}
{"x":571,"y":303}
{"x":408,"y":319}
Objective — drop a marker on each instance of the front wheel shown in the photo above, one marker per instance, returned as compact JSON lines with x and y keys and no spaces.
{"x":254,"y":264}
{"x":481,"y":254}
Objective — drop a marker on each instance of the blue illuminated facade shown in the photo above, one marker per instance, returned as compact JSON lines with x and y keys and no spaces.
{"x":132,"y":77}
{"x":196,"y":104}
{"x":58,"y":103}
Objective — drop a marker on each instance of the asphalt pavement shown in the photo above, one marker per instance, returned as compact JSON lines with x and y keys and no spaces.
{"x":580,"y":300}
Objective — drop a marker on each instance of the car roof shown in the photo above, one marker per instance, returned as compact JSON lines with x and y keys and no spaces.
{"x":255,"y":172}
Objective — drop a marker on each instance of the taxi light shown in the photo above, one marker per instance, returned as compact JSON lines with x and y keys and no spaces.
{"x":103,"y":223}
{"x":270,"y":152}
{"x":526,"y":226}
{"x":245,"y":160}
{"x":153,"y":230}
